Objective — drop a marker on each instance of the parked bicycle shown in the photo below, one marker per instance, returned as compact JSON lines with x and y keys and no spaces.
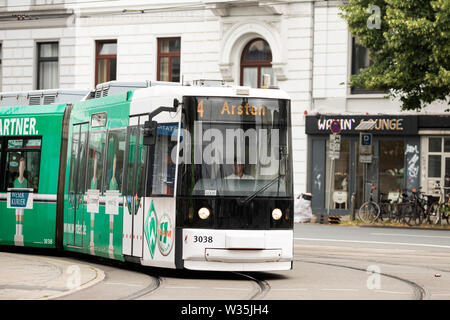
{"x":440,"y":210}
{"x":385,"y":205}
{"x":369,"y":210}
{"x":416,"y":213}
{"x":409,"y":209}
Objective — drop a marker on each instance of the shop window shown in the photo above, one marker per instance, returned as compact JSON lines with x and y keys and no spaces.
{"x":256,"y":61}
{"x":447,"y":145}
{"x":47,"y":68}
{"x":105,"y":61}
{"x":169,"y":59}
{"x":434,"y":166}
{"x":23,"y":157}
{"x":340,"y":177}
{"x":115,"y":160}
{"x":439,"y":159}
{"x":434,"y":144}
{"x":391,"y":166}
{"x":95,"y":160}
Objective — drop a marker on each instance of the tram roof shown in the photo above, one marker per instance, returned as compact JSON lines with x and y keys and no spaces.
{"x":232,"y":91}
{"x":41,"y":97}
{"x":33,"y":110}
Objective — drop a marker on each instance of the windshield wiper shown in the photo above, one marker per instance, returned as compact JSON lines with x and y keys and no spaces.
{"x":281,"y":173}
{"x":253,"y":195}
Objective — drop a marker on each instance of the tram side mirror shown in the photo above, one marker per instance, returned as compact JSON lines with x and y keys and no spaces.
{"x":150,"y":128}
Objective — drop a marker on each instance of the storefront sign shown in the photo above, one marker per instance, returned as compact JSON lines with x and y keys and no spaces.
{"x":384,"y":124}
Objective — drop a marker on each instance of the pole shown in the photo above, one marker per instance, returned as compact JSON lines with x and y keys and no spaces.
{"x":330,"y":186}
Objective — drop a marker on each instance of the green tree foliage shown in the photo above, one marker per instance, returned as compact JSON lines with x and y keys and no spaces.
{"x":409,"y":46}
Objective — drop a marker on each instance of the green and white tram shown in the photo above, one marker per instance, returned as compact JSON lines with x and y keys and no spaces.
{"x":188,"y":177}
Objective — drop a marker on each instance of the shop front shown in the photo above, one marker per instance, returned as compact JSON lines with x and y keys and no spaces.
{"x":435,"y":156}
{"x":392,"y":166}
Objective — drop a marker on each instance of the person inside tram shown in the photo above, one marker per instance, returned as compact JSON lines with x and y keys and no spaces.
{"x":21,"y":181}
{"x":238,"y":172}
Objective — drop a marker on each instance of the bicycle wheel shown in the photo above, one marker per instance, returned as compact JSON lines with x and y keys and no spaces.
{"x":416,"y":216}
{"x":369,"y":212}
{"x":406,"y":212}
{"x":395,"y":212}
{"x":445,"y":213}
{"x":433,"y":213}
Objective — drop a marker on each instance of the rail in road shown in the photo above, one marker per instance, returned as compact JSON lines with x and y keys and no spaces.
{"x":323,"y":269}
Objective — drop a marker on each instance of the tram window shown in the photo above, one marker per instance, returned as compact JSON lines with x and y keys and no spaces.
{"x":82,"y":163}
{"x":73,"y":161}
{"x":23,"y":163}
{"x":239,"y":146}
{"x":114,"y":160}
{"x":140,"y":166}
{"x":95,"y":160}
{"x":163,"y":164}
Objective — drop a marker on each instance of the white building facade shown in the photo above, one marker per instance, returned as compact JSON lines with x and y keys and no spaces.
{"x":308,"y":52}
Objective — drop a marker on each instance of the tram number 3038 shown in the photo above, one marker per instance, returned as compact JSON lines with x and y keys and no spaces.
{"x":203,"y":239}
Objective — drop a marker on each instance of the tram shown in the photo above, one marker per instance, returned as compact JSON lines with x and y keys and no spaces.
{"x":195,"y":177}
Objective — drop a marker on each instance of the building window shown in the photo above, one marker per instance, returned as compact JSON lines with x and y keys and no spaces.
{"x":360,"y":60}
{"x":105,"y":61}
{"x":169,"y":59}
{"x":439,"y":160}
{"x":47,"y":73}
{"x":391,"y":166}
{"x":256,"y":61}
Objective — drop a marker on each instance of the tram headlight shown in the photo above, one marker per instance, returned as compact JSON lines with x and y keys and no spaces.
{"x":277,"y":214}
{"x":204,"y":213}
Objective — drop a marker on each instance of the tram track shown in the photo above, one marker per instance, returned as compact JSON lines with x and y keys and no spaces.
{"x":262,"y":286}
{"x":419,"y":291}
{"x":150,"y":289}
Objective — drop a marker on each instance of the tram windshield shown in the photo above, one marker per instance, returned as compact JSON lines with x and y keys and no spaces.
{"x":235,"y":147}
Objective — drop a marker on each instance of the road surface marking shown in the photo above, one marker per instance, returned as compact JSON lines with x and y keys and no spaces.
{"x":168,"y":287}
{"x":238,"y":289}
{"x":376,"y":242}
{"x":124,"y":284}
{"x":408,"y":235}
{"x":293,"y":289}
{"x":394,"y":292}
{"x":333,"y":289}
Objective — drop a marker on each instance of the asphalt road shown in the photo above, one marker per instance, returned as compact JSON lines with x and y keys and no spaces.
{"x":373,"y":237}
{"x":330,"y":262}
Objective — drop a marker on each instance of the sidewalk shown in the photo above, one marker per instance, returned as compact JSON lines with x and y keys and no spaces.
{"x":344,"y":220}
{"x":31,"y":277}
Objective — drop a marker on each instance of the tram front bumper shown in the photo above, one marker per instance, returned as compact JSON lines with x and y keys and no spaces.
{"x":231,"y":250}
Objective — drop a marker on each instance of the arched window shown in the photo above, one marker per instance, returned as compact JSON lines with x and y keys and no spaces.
{"x":256,"y":60}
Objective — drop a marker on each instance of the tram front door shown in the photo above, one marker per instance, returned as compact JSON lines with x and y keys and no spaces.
{"x":75,"y":222}
{"x":133,"y":217}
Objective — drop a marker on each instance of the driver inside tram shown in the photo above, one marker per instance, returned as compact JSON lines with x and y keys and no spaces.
{"x":238,"y":172}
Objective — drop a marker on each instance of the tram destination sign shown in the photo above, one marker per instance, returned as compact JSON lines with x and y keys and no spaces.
{"x":384,"y":124}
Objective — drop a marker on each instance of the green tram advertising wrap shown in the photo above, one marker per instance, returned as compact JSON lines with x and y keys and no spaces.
{"x":30,"y":147}
{"x":95,"y":178}
{"x":93,"y":205}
